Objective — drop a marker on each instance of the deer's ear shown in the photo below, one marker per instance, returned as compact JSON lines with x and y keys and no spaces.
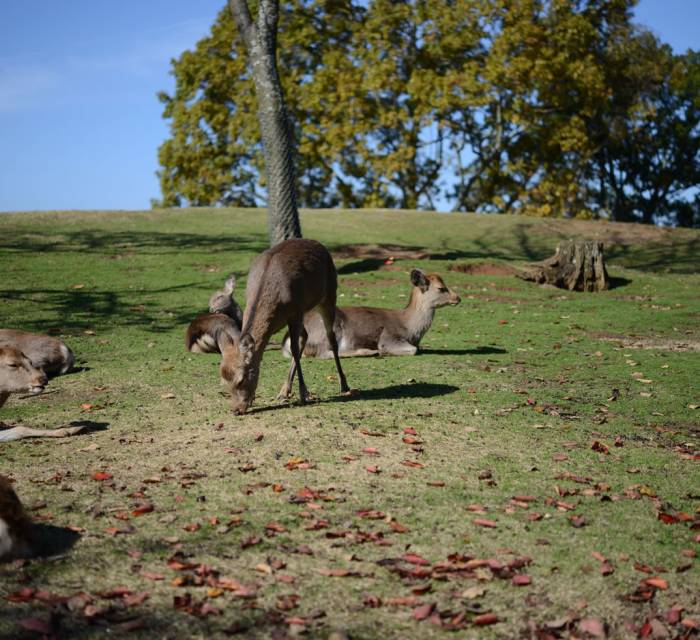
{"x":230,"y":284}
{"x":246,"y":347}
{"x":419,"y":280}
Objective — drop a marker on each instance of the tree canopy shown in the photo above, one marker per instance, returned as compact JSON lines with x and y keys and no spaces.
{"x":544,"y":107}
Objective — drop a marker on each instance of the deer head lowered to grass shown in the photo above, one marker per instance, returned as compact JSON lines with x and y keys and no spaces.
{"x":284,"y":283}
{"x":210,"y":332}
{"x":18,"y":375}
{"x":369,"y":331}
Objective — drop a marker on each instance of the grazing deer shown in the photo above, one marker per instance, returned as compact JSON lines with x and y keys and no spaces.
{"x":370,"y":331}
{"x":18,"y":375}
{"x":284,"y":283}
{"x":46,"y":353}
{"x":210,"y":332}
{"x":15,"y":526}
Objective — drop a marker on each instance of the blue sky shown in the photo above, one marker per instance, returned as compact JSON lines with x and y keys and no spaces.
{"x":79,"y":120}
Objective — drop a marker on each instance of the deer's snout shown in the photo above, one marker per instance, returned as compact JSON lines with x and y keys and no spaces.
{"x":38,"y":381}
{"x":454,"y":298}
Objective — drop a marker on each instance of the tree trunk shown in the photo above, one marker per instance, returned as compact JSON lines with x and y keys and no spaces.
{"x":576,"y":266}
{"x":260,"y":38}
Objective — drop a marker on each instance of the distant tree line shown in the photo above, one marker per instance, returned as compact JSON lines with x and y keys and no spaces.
{"x":541,"y":107}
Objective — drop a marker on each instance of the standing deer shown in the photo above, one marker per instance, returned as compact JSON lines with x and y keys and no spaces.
{"x":370,"y":331}
{"x":18,"y":375}
{"x":46,"y":353}
{"x":210,"y":332}
{"x":15,"y":526}
{"x":284,"y":283}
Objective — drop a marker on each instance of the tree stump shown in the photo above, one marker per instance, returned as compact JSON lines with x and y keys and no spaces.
{"x":576,"y":266}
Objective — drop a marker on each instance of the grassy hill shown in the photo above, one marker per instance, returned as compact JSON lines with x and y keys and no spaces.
{"x":496,"y":482}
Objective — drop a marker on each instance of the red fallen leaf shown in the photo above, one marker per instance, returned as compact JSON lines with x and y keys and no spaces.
{"x":599,"y":556}
{"x":371,"y":451}
{"x":667,"y":518}
{"x":371,"y":514}
{"x":412,"y":440}
{"x":483,"y":522}
{"x":410,"y":431}
{"x":152,"y":576}
{"x":435,"y":483}
{"x":192,"y":527}
{"x":476,"y":508}
{"x":600,"y":447}
{"x":277,"y":487}
{"x":414,"y":558}
{"x":209,"y":610}
{"x":412,"y":463}
{"x":673,"y":615}
{"x":533,"y":517}
{"x":177,"y":565}
{"x":145,"y":507}
{"x":397,"y":527}
{"x":101,"y":476}
{"x":247,"y":467}
{"x":485,"y":619}
{"x":423,"y":612}
{"x":23,"y":595}
{"x":373,"y":469}
{"x":34,"y":624}
{"x":606,"y":569}
{"x":249,"y":542}
{"x":373,"y":602}
{"x":275,"y":526}
{"x":521,"y":580}
{"x":577,"y":521}
{"x":135,"y":599}
{"x":690,"y":623}
{"x":592,"y":626}
{"x":644,"y":568}
{"x":374,"y":434}
{"x":656,"y":582}
{"x":409,"y":601}
{"x":503,"y":322}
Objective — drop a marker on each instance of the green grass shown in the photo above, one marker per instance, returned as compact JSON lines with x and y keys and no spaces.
{"x":510,"y":393}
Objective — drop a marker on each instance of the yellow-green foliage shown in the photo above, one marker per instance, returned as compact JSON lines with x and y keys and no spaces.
{"x":554,"y":108}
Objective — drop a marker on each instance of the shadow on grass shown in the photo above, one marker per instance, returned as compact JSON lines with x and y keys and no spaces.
{"x":616,"y":282}
{"x":400,"y":391}
{"x":50,"y":540}
{"x":478,"y":351}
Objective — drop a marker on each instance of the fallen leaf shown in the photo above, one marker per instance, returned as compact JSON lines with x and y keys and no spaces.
{"x":483,"y":522}
{"x":593,"y":627}
{"x":485,"y":619}
{"x":423,"y":612}
{"x":101,"y":476}
{"x":521,"y":580}
{"x":656,"y":582}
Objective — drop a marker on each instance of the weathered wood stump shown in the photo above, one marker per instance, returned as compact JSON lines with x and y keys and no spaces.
{"x":576,"y":266}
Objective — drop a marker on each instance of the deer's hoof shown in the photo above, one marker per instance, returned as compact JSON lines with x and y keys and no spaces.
{"x":350,"y":393}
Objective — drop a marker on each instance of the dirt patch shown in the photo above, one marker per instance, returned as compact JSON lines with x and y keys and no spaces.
{"x":484,"y":269}
{"x":649,"y":342}
{"x":610,"y":233}
{"x":379,"y":252}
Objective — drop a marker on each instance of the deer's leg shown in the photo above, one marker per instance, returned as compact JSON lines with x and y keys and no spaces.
{"x":328,"y":315}
{"x":390,"y":346}
{"x":297,"y":342}
{"x":17,"y":433}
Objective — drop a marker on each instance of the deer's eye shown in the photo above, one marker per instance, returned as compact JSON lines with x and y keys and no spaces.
{"x":14,"y":365}
{"x":442,"y":289}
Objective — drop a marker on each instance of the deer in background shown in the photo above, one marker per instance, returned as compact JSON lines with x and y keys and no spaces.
{"x":18,"y":375}
{"x":15,"y":526}
{"x":284,"y":283}
{"x":49,"y":354}
{"x":210,"y":332}
{"x":371,"y":331}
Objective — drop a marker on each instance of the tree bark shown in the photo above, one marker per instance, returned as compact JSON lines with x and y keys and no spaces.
{"x":576,"y":266}
{"x":260,"y":38}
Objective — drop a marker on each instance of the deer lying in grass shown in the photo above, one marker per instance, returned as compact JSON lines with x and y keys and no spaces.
{"x":46,"y":353}
{"x":18,"y":375}
{"x":370,"y":331}
{"x":284,"y":283}
{"x":210,"y":332}
{"x":15,"y":526}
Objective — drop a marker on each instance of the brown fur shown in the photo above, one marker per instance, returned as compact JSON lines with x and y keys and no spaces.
{"x":284,"y":283}
{"x":45,"y":352}
{"x":368,"y":331}
{"x":17,"y":530}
